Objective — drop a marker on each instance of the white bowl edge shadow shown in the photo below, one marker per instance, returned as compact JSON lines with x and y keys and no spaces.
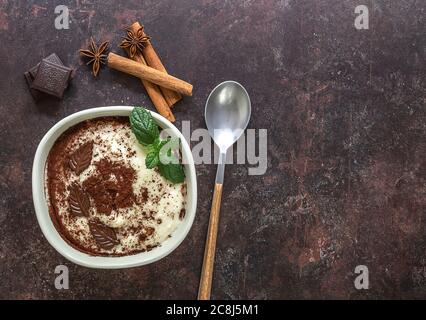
{"x":102,"y":262}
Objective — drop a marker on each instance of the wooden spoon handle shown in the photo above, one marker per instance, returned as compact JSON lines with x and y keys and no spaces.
{"x":210,"y":249}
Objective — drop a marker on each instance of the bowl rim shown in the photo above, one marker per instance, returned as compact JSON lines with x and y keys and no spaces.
{"x":41,"y":208}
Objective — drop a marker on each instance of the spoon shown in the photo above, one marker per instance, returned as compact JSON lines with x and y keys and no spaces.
{"x":227,"y":114}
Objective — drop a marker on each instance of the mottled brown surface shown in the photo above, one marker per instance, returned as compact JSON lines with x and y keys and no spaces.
{"x":345,"y":113}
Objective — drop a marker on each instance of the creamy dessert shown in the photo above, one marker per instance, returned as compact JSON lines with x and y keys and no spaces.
{"x":102,"y":198}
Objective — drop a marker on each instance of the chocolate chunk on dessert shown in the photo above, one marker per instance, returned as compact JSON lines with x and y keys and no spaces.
{"x":102,"y":197}
{"x":78,"y":201}
{"x":51,"y":78}
{"x":81,"y":158}
{"x":104,"y":236}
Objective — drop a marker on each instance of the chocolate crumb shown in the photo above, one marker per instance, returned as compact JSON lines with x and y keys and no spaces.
{"x":182,"y":214}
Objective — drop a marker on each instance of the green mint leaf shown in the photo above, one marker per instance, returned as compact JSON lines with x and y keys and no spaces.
{"x":153,"y":147}
{"x":160,"y":146}
{"x":169,"y":165}
{"x":148,"y":135}
{"x":144,"y":126}
{"x":151,"y":160}
{"x":168,"y":149}
{"x":172,"y":172}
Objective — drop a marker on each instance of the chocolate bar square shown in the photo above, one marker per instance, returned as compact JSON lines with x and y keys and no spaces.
{"x":51,"y":78}
{"x":51,"y":58}
{"x":37,"y":95}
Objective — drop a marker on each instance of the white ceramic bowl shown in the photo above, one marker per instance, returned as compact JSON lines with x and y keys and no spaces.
{"x":41,"y":207}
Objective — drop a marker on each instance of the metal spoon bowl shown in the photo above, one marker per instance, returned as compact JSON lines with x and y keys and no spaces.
{"x":227,"y":114}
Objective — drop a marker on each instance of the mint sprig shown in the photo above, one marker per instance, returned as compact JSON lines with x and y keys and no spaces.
{"x":152,"y":160}
{"x":148,"y":135}
{"x":144,"y":126}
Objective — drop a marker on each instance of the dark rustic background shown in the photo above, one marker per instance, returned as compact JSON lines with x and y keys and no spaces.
{"x":345,"y":113}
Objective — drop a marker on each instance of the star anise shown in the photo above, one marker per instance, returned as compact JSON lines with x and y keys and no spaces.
{"x":135,"y":41}
{"x":96,"y":54}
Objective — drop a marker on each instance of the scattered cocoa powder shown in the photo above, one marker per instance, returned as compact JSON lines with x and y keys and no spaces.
{"x":110,"y":186}
{"x":149,"y":231}
{"x":143,"y":196}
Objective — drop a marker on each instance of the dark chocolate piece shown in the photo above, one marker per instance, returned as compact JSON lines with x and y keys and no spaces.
{"x":51,"y":78}
{"x":51,"y":58}
{"x":37,"y":95}
{"x":80,"y":159}
{"x":104,"y":236}
{"x":78,"y":201}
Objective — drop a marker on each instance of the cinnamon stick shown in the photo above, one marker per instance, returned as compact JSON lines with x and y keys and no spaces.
{"x":141,"y":71}
{"x":155,"y":93}
{"x":154,"y":61}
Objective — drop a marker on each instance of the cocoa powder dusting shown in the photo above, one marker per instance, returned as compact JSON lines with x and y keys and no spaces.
{"x":143,"y":197}
{"x":110,"y":186}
